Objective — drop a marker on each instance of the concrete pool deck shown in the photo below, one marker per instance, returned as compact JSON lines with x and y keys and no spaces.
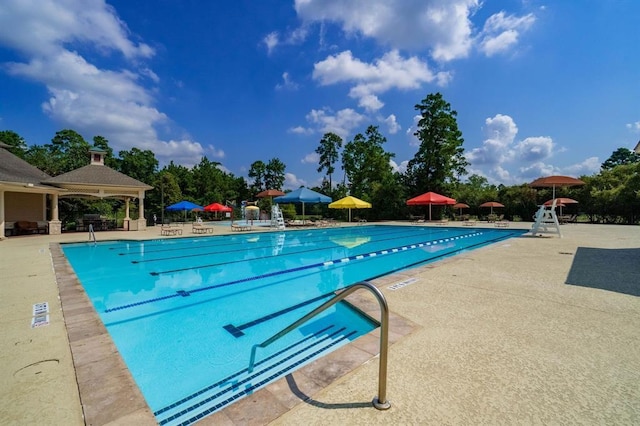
{"x":531,"y":330}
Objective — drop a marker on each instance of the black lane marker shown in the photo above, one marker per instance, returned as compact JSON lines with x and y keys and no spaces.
{"x":236,"y":331}
{"x":231,"y":377}
{"x":249,"y":389}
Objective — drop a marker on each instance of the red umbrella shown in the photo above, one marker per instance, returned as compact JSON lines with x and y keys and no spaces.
{"x":217,"y":207}
{"x":561,"y":202}
{"x":431,"y":198}
{"x":491,"y":204}
{"x":553,"y":181}
{"x":460,"y":206}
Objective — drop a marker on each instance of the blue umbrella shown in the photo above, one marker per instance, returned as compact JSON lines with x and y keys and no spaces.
{"x":184,"y":206}
{"x":303,"y":195}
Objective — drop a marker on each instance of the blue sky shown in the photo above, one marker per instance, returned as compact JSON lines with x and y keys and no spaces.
{"x":540,"y":87}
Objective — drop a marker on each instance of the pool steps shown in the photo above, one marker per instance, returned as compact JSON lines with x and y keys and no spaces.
{"x":218,"y":395}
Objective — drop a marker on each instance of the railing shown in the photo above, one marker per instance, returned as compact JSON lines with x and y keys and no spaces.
{"x":92,"y":234}
{"x":380,"y":402}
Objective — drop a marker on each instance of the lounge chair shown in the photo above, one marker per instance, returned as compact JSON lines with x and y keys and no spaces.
{"x":199,"y":228}
{"x":239,"y":227}
{"x":416,"y":219}
{"x":170,"y":230}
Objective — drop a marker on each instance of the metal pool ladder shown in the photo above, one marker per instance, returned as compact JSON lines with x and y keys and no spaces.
{"x":380,"y":402}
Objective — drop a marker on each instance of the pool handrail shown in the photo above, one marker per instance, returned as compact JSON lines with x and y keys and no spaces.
{"x":380,"y":402}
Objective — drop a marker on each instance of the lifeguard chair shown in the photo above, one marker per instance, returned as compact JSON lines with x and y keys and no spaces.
{"x":546,"y":221}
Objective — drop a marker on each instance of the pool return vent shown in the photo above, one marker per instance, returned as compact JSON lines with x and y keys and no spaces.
{"x":40,"y":314}
{"x":380,"y":402}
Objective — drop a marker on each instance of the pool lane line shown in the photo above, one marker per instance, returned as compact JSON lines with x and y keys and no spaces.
{"x":248,"y":390}
{"x":242,"y":244}
{"x":211,"y":265}
{"x":236,"y":331}
{"x":246,"y":370}
{"x":184,"y":293}
{"x":450,"y":253}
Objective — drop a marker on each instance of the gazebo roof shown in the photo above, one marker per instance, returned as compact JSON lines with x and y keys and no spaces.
{"x":94,"y":174}
{"x":14,"y":169}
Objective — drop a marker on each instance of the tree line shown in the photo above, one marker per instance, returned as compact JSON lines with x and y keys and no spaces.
{"x":439,"y":165}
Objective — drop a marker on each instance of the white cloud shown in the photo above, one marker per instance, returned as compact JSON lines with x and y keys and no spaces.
{"x":213,"y":152}
{"x":311,"y":158}
{"x":413,"y":139}
{"x":42,"y":27}
{"x":534,"y":149}
{"x":370,"y":103}
{"x":52,"y":36}
{"x":392,"y":71}
{"x":291,"y":181}
{"x":635,"y":127}
{"x":392,"y":124}
{"x":301,"y":130}
{"x":340,"y":123}
{"x":271,"y":40}
{"x":497,"y":148}
{"x":185,"y":152}
{"x":587,"y":167}
{"x":504,"y":159}
{"x":501,"y":32}
{"x":287,"y":83}
{"x":440,"y":26}
{"x":399,"y":168}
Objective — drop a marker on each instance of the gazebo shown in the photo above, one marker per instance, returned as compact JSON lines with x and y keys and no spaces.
{"x":24,"y":189}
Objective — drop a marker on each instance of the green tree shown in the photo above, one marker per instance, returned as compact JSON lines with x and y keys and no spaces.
{"x":15,"y":141}
{"x":39,"y":156}
{"x":440,"y":161}
{"x":68,"y":151}
{"x":620,"y":156}
{"x":257,"y":172}
{"x":138,"y":164}
{"x":366,"y":162}
{"x":328,"y":151}
{"x":274,"y":174}
{"x":184,"y":178}
{"x":166,"y":192}
{"x":210,"y":181}
{"x":612,"y":196}
{"x":473,"y":192}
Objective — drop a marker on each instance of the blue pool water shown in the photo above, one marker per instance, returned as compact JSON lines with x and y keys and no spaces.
{"x":184,"y":313}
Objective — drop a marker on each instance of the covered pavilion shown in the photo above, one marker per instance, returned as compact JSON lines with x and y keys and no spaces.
{"x":29,"y":194}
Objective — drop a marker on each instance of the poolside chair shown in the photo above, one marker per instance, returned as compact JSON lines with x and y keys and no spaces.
{"x":238,"y":227}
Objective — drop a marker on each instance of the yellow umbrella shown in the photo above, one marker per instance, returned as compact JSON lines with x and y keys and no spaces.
{"x":350,"y":202}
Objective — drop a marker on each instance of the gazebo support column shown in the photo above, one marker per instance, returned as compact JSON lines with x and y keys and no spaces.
{"x":2,"y":230}
{"x":55,"y":226}
{"x":142,"y":222}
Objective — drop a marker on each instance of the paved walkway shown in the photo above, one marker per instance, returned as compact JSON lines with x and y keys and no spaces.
{"x":528,"y":331}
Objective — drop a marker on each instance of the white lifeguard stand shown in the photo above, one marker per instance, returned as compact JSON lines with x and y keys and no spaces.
{"x":545,"y":220}
{"x":277,"y":221}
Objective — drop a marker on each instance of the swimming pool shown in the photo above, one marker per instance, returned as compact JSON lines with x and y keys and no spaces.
{"x":184,"y":313}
